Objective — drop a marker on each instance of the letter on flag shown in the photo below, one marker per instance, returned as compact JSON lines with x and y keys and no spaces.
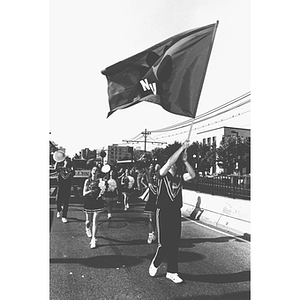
{"x":170,"y":73}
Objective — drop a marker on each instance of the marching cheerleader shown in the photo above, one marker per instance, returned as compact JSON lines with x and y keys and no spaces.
{"x":168,"y":213}
{"x":109,"y":189}
{"x":93,"y":205}
{"x":127,"y":183}
{"x":150,"y":196}
{"x":65,"y":173}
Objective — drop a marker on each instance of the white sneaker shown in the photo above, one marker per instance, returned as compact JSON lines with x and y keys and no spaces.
{"x":150,"y":238}
{"x":58,"y":214}
{"x":88,"y":231}
{"x":152,"y":270}
{"x":153,"y":236}
{"x":64,"y":220}
{"x":93,"y":243}
{"x":109,"y":216}
{"x":174,"y":277}
{"x":127,"y":205}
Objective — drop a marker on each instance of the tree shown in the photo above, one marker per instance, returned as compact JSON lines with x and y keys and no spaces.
{"x":161,"y":155}
{"x":158,"y":156}
{"x":243,"y":152}
{"x":207,"y":157}
{"x":226,"y":153}
{"x":232,"y":153}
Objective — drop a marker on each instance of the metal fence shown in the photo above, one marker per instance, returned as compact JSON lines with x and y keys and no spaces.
{"x":232,"y":186}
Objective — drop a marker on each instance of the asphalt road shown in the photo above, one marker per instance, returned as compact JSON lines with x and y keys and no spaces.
{"x":213,"y":264}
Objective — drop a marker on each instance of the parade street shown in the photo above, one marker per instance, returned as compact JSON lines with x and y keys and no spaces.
{"x":214,"y":265}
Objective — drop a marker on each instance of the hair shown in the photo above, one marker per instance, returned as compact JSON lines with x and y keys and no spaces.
{"x":92,"y":169}
{"x":90,"y":164}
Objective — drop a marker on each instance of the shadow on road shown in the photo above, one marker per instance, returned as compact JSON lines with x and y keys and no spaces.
{"x":189,"y":243}
{"x":218,"y":278}
{"x":244,"y":295}
{"x":103,"y":261}
{"x":118,"y":261}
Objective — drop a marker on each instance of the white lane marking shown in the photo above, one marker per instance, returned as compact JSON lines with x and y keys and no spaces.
{"x":219,"y":231}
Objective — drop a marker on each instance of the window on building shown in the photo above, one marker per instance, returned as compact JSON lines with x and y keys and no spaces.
{"x":204,"y":141}
{"x":214,"y":140}
{"x":209,"y":141}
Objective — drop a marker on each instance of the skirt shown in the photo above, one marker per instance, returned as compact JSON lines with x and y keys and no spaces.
{"x":110,"y":199}
{"x":92,"y":205}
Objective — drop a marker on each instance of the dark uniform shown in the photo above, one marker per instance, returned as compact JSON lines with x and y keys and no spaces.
{"x":168,"y":220}
{"x":64,"y":178}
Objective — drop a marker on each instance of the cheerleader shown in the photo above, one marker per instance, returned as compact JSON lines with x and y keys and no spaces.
{"x":127,"y":183}
{"x":93,"y":205}
{"x":65,"y":173}
{"x":150,"y":196}
{"x":109,"y":189}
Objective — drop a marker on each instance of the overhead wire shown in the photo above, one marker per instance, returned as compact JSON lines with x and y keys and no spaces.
{"x":200,"y":118}
{"x":188,"y":122}
{"x":215,"y":115}
{"x":161,"y":136}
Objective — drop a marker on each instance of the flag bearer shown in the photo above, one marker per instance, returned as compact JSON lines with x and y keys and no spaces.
{"x":168,"y":214}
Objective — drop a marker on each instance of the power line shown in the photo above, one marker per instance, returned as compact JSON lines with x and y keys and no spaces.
{"x":200,"y":118}
{"x":215,"y":115}
{"x":194,"y":129}
{"x":188,"y":122}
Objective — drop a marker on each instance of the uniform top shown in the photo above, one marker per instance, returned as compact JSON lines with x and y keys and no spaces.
{"x":169,"y":190}
{"x":92,"y":185}
{"x":127,"y":182}
{"x":64,"y":172}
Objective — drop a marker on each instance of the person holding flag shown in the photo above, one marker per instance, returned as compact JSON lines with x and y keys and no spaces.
{"x":170,"y":74}
{"x":168,"y":213}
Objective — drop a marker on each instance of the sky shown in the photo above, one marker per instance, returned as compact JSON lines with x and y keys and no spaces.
{"x":88,"y":36}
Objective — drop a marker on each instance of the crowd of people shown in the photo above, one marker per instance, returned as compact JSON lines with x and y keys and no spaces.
{"x":159,"y":186}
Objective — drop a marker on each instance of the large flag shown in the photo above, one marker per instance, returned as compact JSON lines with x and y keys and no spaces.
{"x":170,"y":73}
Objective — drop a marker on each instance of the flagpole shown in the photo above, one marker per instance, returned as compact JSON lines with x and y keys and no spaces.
{"x":190,"y":129}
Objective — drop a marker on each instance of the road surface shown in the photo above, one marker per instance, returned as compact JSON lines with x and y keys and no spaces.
{"x":215,"y":265}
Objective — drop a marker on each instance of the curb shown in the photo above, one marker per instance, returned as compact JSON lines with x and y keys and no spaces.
{"x":222,"y":212}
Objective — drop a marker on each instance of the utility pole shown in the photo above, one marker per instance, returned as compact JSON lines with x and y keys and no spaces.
{"x":145,"y":133}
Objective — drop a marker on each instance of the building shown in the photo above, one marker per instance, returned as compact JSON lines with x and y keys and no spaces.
{"x":116,"y":152}
{"x":86,"y":153}
{"x":214,"y":136}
